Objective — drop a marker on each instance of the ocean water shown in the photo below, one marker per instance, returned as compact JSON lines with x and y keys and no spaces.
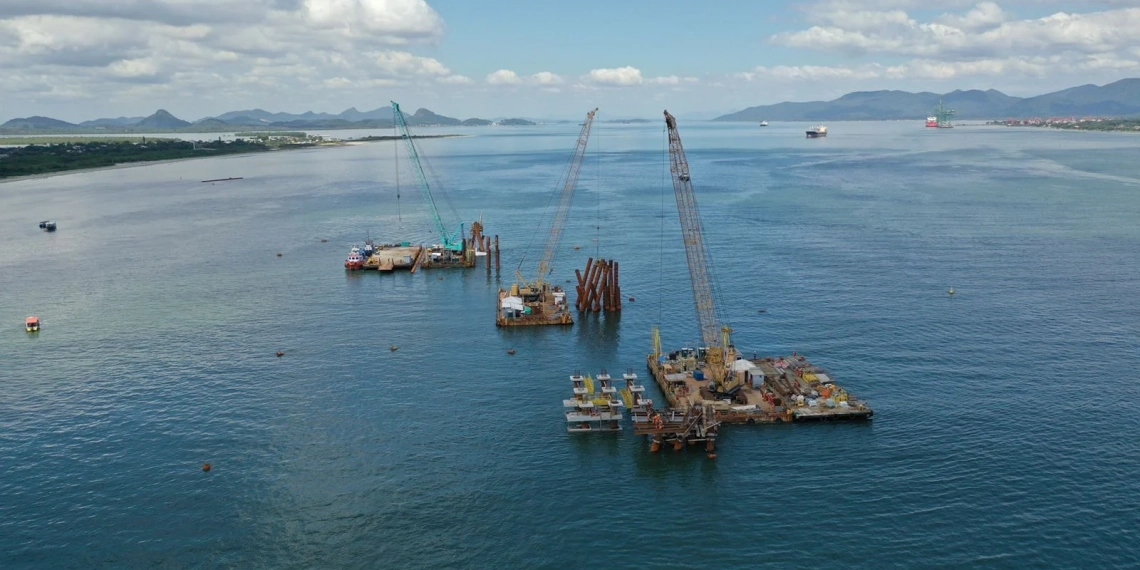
{"x":1006,"y":424}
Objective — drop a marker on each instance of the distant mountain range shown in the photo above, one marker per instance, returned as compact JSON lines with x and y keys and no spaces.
{"x":1119,"y":99}
{"x":259,"y":119}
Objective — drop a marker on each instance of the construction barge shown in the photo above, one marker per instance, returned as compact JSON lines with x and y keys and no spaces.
{"x":406,"y":256}
{"x":760,"y":390}
{"x":756,"y":391}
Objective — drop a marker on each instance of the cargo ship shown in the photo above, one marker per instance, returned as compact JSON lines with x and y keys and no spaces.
{"x":817,"y":132}
{"x":932,"y":121}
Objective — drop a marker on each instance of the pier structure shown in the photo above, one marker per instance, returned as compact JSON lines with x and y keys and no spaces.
{"x":590,"y":411}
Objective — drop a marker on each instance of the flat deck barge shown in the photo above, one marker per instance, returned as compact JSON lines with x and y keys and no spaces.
{"x":391,"y":257}
{"x":543,"y":304}
{"x":772,"y":389}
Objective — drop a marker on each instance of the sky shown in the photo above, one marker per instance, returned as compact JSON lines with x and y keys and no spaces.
{"x":84,"y":59}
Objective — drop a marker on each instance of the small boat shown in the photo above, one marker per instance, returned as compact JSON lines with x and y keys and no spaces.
{"x":47,"y":226}
{"x":932,"y":121}
{"x":355,"y":260}
{"x":32,"y":324}
{"x":763,"y":123}
{"x":817,"y":132}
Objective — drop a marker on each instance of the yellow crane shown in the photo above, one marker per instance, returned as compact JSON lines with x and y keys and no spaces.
{"x":719,"y":352}
{"x":537,"y":302}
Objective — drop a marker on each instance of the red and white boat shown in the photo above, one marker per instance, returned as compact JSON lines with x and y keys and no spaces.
{"x":932,"y":121}
{"x":355,"y":259}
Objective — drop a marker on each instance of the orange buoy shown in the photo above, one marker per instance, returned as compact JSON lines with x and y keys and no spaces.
{"x":712,"y":456}
{"x":655,"y":447}
{"x":280,"y":354}
{"x":206,"y":467}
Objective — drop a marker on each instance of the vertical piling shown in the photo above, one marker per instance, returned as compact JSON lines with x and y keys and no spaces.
{"x":617,"y":289}
{"x":496,"y":253}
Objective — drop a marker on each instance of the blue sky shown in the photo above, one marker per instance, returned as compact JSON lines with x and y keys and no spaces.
{"x":494,"y":58}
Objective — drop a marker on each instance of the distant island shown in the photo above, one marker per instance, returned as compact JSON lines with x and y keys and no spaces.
{"x":1075,"y":124}
{"x":61,"y":153}
{"x":1119,"y":99}
{"x":162,"y":121}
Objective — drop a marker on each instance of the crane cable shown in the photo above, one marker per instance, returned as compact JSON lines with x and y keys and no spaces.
{"x":396,"y":160}
{"x":661,"y":242}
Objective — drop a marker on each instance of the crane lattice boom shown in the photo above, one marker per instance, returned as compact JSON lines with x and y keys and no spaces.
{"x":450,"y":241}
{"x":544,"y":264}
{"x":695,"y":250}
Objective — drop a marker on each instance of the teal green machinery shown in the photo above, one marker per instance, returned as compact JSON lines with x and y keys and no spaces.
{"x":452,"y":241}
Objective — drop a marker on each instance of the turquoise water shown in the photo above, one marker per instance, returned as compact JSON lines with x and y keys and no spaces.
{"x":1006,"y":416}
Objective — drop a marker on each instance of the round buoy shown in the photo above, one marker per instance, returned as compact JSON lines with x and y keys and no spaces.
{"x":577,"y":247}
{"x":510,"y":351}
{"x":631,"y":299}
{"x":323,"y":240}
{"x":278,"y":255}
{"x":393,"y":348}
{"x":280,"y":354}
{"x":206,"y":467}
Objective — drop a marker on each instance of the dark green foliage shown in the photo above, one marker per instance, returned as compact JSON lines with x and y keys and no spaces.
{"x":42,"y":159}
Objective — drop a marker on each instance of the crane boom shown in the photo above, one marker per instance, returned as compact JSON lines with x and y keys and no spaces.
{"x":450,"y":241}
{"x":695,"y":250}
{"x":551,"y":247}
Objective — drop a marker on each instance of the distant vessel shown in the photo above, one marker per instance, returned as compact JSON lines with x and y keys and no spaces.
{"x":763,"y":123}
{"x":817,"y":132}
{"x":47,"y":226}
{"x":32,"y":324}
{"x":355,"y":260}
{"x":941,"y":117}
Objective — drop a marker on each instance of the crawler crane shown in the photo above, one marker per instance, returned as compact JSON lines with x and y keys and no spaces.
{"x":538,"y":302}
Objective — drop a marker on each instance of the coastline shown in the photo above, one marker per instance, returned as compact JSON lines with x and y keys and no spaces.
{"x":170,"y":160}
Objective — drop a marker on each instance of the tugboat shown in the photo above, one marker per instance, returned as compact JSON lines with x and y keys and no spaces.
{"x":32,"y":324}
{"x":817,"y":132}
{"x":355,"y":260}
{"x":47,"y":226}
{"x":763,"y":123}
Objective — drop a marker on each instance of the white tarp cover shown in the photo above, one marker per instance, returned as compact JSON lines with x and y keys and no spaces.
{"x":513,"y":303}
{"x":742,"y":364}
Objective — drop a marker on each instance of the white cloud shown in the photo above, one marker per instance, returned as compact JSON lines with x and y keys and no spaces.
{"x":504,"y":77}
{"x":393,"y":21}
{"x":546,"y":78}
{"x":150,"y":51}
{"x":455,"y":80}
{"x":981,"y":40}
{"x":984,"y":31}
{"x":983,"y":16}
{"x":404,"y":63}
{"x":620,"y":76}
